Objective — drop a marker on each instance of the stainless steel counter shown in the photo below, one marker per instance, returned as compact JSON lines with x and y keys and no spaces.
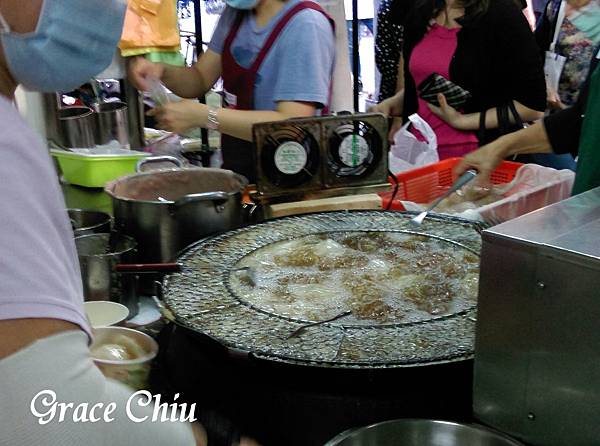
{"x":537,"y":356}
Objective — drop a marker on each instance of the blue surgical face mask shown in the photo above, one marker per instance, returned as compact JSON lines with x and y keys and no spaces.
{"x":242,"y":4}
{"x":74,"y":40}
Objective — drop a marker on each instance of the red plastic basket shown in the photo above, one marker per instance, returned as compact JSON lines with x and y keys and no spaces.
{"x":425,"y":184}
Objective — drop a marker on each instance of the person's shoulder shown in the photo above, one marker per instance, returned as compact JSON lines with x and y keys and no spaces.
{"x":229,"y":12}
{"x":226,"y":21}
{"x":499,"y":10}
{"x":11,"y":122}
{"x":20,"y":144}
{"x":228,"y":16}
{"x":312,"y":16}
{"x":308,"y":19}
{"x":500,"y":16}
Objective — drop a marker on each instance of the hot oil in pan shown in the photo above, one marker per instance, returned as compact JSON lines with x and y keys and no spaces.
{"x":382,"y":277}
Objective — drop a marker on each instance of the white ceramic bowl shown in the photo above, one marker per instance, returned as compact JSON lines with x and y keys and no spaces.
{"x":132,"y":372}
{"x":105,"y":313}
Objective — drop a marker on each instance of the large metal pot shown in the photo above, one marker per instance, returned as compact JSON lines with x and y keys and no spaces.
{"x":167,"y":210}
{"x":87,"y":221}
{"x":422,"y":433}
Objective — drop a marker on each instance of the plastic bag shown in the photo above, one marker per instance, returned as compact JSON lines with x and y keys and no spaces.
{"x":150,"y":23}
{"x":408,"y":152}
{"x":553,"y":68}
{"x":554,"y":63}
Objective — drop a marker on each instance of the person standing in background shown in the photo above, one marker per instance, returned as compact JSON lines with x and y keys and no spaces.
{"x":577,"y":33}
{"x":276,"y":59}
{"x":388,"y":46}
{"x":563,"y":29}
{"x":487,"y":48}
{"x":43,"y":327}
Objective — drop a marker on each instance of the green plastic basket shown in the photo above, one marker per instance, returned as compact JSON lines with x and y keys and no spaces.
{"x":90,"y":168}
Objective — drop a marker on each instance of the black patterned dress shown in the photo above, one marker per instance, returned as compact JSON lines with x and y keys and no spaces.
{"x":388,"y":45}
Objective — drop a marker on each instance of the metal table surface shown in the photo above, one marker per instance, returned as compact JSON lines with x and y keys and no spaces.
{"x":537,"y":360}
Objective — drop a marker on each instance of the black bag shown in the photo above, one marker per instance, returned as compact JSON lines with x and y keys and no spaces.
{"x":509,"y":121}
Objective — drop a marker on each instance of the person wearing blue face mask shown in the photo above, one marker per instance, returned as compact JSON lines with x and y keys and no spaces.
{"x":276,"y":60}
{"x":52,"y":393}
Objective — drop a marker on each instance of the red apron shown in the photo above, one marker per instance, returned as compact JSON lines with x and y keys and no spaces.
{"x":239,"y":84}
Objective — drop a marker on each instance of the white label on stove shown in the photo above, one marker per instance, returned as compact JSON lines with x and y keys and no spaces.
{"x":353,"y":150}
{"x":290,"y":158}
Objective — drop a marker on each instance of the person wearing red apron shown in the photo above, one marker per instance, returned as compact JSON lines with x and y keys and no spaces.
{"x":239,"y":87}
{"x":276,"y":60}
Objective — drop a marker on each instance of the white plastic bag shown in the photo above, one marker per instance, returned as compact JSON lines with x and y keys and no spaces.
{"x":408,"y":152}
{"x":553,"y":68}
{"x":555,"y":63}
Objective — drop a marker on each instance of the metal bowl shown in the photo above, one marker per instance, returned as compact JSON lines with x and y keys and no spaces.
{"x":415,"y":432}
{"x":86,"y":222}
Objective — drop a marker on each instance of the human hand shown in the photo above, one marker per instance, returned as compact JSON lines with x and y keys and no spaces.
{"x":553,"y":100}
{"x":178,"y":117}
{"x":245,"y":441}
{"x":389,"y":107}
{"x":140,"y":71}
{"x":484,"y":161}
{"x":394,"y":127}
{"x":449,"y":114}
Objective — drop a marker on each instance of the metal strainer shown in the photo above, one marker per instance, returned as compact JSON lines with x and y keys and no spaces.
{"x":202,"y":300}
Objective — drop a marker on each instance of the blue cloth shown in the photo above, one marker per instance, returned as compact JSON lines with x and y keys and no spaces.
{"x":299,"y":66}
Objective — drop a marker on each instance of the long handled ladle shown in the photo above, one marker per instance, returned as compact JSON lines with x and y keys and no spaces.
{"x":464,"y":179}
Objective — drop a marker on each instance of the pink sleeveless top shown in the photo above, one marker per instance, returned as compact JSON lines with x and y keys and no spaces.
{"x":433,"y":54}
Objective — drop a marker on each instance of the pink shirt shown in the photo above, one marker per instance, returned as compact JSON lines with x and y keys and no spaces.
{"x":433,"y":54}
{"x":39,"y":270}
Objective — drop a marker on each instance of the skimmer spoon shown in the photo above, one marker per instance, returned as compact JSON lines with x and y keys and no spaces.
{"x":464,"y":179}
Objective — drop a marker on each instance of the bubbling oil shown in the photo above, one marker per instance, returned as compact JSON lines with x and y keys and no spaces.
{"x":382,"y":277}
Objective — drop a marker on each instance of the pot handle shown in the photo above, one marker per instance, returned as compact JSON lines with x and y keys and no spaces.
{"x":157,"y":159}
{"x":154,"y":268}
{"x":203,"y":196}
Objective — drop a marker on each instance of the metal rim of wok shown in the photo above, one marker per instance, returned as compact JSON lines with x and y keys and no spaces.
{"x":201,"y":299}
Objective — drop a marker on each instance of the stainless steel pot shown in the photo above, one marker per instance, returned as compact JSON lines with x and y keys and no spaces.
{"x":99,"y":254}
{"x":111,"y":123}
{"x":77,"y":126}
{"x":414,"y":432}
{"x":166,"y":210}
{"x":86,"y":222}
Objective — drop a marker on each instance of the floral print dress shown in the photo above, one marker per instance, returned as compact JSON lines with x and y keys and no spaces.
{"x":579,"y":50}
